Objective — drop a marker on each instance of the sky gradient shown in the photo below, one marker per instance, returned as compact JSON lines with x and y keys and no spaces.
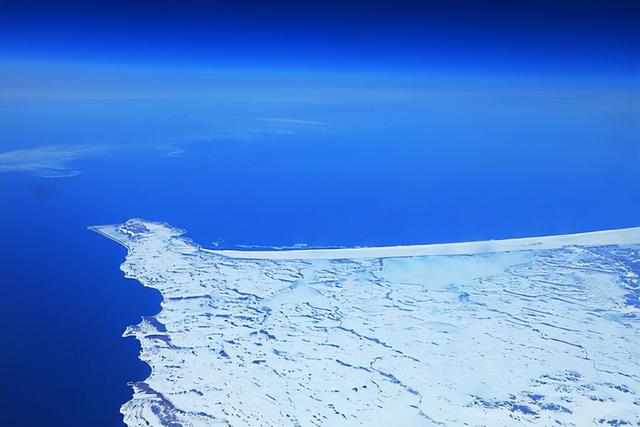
{"x":574,"y":37}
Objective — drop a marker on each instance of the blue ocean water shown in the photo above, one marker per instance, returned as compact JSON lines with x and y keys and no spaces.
{"x":371,"y":167}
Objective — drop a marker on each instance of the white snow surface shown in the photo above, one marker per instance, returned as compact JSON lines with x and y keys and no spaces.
{"x":537,"y":331}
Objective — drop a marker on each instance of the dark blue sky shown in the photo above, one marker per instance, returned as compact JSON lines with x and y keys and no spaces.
{"x":589,"y":37}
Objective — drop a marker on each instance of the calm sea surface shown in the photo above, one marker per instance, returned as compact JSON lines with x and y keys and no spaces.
{"x":336,"y":172}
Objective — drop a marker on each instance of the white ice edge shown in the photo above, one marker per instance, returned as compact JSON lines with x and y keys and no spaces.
{"x":623,"y":236}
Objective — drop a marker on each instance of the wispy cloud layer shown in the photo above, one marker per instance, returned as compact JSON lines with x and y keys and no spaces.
{"x":51,"y":161}
{"x":248,"y":129}
{"x":292,"y":121}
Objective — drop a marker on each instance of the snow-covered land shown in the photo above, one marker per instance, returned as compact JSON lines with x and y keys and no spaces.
{"x":528,"y":332}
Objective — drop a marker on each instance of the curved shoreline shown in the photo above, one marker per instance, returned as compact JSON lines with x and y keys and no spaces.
{"x":594,"y":238}
{"x":138,"y":387}
{"x":621,"y":236}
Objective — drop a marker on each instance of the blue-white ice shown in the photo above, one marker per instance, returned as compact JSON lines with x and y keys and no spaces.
{"x":506,"y":336}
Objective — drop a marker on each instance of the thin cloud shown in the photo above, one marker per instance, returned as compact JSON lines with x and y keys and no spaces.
{"x":245,"y":129}
{"x":292,"y":121}
{"x":50,"y":161}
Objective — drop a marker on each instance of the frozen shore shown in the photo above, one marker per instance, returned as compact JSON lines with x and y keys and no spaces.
{"x":535,"y":331}
{"x":596,"y":238}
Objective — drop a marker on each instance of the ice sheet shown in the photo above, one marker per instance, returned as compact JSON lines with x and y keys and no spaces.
{"x":539,"y":331}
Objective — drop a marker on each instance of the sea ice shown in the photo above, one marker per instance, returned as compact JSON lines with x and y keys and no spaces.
{"x":521,"y":332}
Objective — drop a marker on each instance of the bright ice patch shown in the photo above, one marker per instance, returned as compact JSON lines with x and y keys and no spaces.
{"x":502,"y":336}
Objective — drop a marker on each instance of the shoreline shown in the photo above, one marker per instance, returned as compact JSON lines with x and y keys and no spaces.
{"x":594,"y":238}
{"x":621,"y":236}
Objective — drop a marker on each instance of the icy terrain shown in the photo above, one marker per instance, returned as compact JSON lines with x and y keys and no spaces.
{"x":530,"y":332}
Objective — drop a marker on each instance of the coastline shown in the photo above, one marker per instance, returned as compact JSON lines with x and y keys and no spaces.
{"x":621,"y":236}
{"x":139,"y":389}
{"x":594,"y":238}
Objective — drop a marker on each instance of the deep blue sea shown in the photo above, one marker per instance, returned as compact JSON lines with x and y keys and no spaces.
{"x":372,"y":166}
